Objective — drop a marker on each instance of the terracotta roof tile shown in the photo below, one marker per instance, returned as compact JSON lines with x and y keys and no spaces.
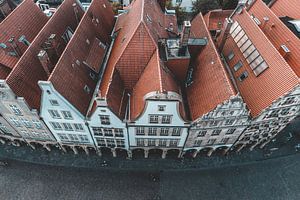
{"x":273,"y":29}
{"x":83,"y":55}
{"x":27,"y":19}
{"x":155,"y":78}
{"x":259,"y":92}
{"x":25,"y":84}
{"x":211,"y":84}
{"x":287,"y":8}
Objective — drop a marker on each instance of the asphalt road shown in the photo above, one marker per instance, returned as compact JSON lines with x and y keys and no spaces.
{"x":271,"y":179}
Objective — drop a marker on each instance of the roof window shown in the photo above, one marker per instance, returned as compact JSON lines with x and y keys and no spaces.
{"x":237,"y":66}
{"x":231,"y":55}
{"x":243,"y":76}
{"x":87,"y":89}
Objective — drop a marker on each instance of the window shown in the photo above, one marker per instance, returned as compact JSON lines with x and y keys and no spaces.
{"x":67,"y":126}
{"x":285,"y":111}
{"x":152,"y":131}
{"x":15,"y":110}
{"x":162,"y":143}
{"x":274,"y":113}
{"x":56,"y":125}
{"x":104,"y":119}
{"x":87,"y":89}
{"x":202,"y":133}
{"x":153,"y":119}
{"x":54,"y":102}
{"x":289,"y":100}
{"x":37,"y":124}
{"x":83,"y":138}
{"x":15,"y":122}
{"x":67,"y":114}
{"x":67,"y":35}
{"x":229,"y":121}
{"x":230,"y":131}
{"x":260,"y":68}
{"x":140,"y":131}
{"x":119,"y":132}
{"x":224,"y":141}
{"x":62,"y":137}
{"x":197,"y":143}
{"x":73,"y":137}
{"x":173,"y":143}
{"x":4,"y":129}
{"x":101,"y":142}
{"x":243,"y":76}
{"x":108,"y":132}
{"x":211,"y":141}
{"x":140,"y":142}
{"x":166,"y":119}
{"x":54,"y":114}
{"x":216,"y":132}
{"x":110,"y":142}
{"x":237,"y":66}
{"x":231,"y":55}
{"x":26,"y":123}
{"x":97,"y":131}
{"x":92,"y":75}
{"x":78,"y":127}
{"x":120,"y":143}
{"x":176,"y":131}
{"x":164,"y":131}
{"x":151,"y":142}
{"x":161,"y":108}
{"x":214,"y":123}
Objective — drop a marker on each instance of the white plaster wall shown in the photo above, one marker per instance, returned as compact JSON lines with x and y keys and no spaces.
{"x":49,"y":92}
{"x":115,"y":122}
{"x":40,"y":133}
{"x":151,"y":108}
{"x":187,"y":4}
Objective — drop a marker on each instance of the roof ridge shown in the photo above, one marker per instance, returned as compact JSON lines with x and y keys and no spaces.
{"x":228,"y":80}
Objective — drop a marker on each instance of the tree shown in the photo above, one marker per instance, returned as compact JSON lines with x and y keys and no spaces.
{"x":116,"y":6}
{"x":204,"y":6}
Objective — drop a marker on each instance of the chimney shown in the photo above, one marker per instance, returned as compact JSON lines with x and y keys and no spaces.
{"x":162,"y":4}
{"x":14,"y":46}
{"x":5,"y":9}
{"x":224,"y":34}
{"x":184,"y":38}
{"x":75,"y":8}
{"x":45,"y":61}
{"x":24,"y":40}
{"x":266,"y":19}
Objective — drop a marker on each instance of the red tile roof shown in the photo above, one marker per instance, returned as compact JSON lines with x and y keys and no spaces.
{"x":25,"y":84}
{"x":138,"y":31}
{"x":211,"y":84}
{"x":155,"y":78}
{"x":289,"y":8}
{"x":27,"y":19}
{"x":214,"y":19}
{"x":274,"y":30}
{"x":70,"y":78}
{"x":259,"y":92}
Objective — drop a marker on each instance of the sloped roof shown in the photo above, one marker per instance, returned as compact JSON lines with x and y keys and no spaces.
{"x":286,"y":8}
{"x":27,"y":19}
{"x":155,"y":78}
{"x":274,"y":30}
{"x":138,"y":31}
{"x":69,"y":76}
{"x":260,"y":91}
{"x":211,"y":83}
{"x":25,"y":84}
{"x":214,"y":19}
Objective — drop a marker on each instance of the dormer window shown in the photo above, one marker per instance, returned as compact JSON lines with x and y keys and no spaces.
{"x":243,"y":76}
{"x":161,"y":108}
{"x":231,"y":55}
{"x":87,"y":89}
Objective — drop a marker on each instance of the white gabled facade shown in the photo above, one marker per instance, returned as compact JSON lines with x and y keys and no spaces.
{"x":25,"y":122}
{"x":108,"y":130}
{"x":218,"y":129}
{"x":66,"y":123}
{"x":185,"y":4}
{"x":271,"y":121}
{"x":160,"y":126}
